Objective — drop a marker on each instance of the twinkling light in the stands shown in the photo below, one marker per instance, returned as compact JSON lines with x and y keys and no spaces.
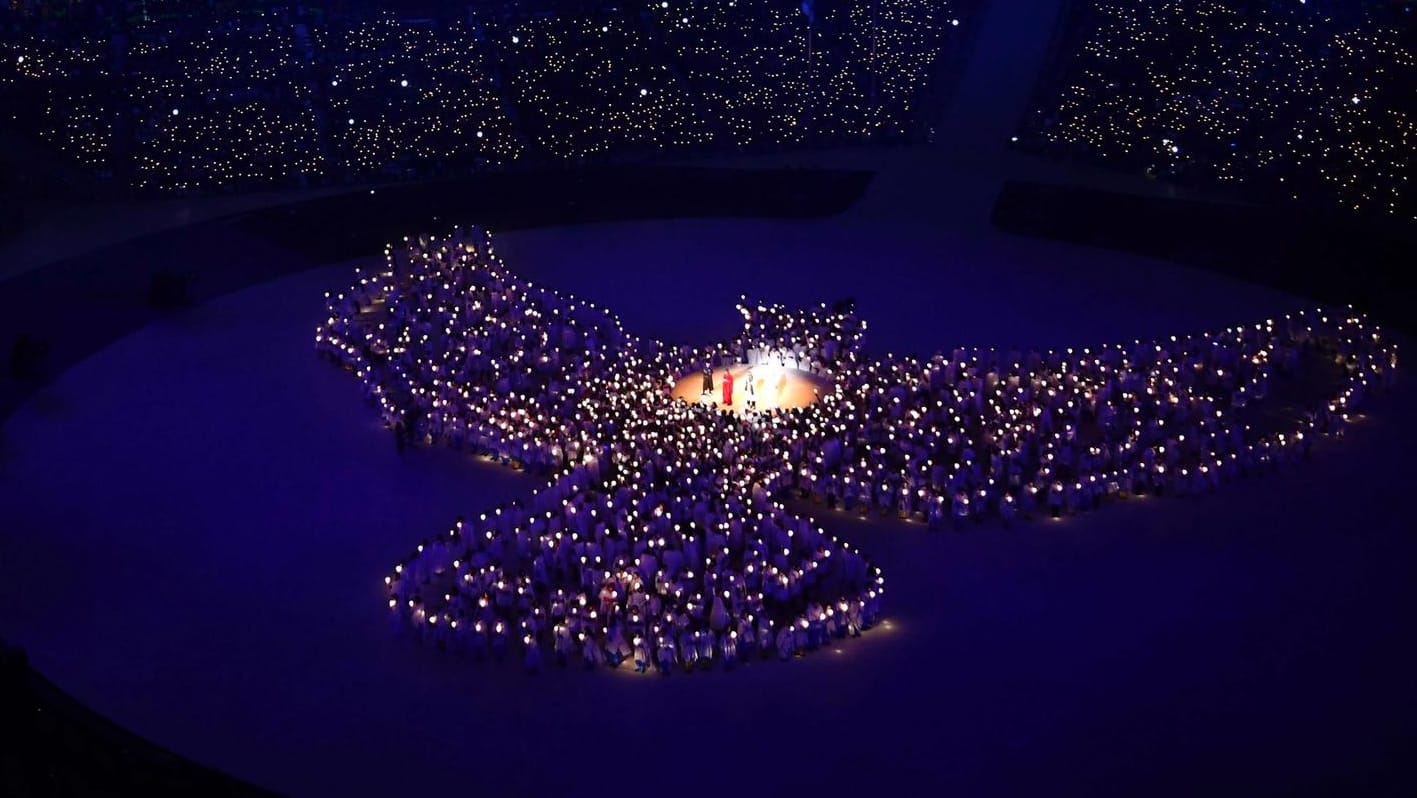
{"x":252,"y":124}
{"x":1304,"y":101}
{"x":452,"y":112}
{"x":268,"y":98}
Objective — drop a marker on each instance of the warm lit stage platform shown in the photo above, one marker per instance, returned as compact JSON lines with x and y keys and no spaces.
{"x":773,"y":387}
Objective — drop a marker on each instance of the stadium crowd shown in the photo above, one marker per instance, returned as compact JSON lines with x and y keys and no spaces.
{"x":1306,"y":100}
{"x":280,"y":96}
{"x":662,"y":535}
{"x":1300,"y":99}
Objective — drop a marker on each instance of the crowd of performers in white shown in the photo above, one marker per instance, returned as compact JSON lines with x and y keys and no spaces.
{"x":661,"y":536}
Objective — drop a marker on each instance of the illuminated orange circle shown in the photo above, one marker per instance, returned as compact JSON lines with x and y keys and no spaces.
{"x":774,"y":387}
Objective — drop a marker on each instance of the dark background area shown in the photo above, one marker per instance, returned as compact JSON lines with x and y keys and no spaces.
{"x":1334,"y":259}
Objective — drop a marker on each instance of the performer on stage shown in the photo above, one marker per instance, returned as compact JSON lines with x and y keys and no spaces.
{"x":708,"y":382}
{"x":727,"y":389}
{"x":752,"y":392}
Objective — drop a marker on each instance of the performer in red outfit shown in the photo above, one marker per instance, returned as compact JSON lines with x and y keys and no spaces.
{"x":727,"y":389}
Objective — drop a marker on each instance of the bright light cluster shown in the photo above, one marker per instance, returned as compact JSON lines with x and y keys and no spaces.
{"x":1308,"y":101}
{"x":662,"y":536}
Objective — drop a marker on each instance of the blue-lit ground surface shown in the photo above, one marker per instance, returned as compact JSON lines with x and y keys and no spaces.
{"x":202,"y":515}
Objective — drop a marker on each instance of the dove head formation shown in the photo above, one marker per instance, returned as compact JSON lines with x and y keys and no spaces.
{"x":661,"y":533}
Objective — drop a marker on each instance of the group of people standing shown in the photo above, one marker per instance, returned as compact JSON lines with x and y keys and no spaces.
{"x":957,"y":438}
{"x":753,"y":386}
{"x":658,"y":538}
{"x":661,"y":537}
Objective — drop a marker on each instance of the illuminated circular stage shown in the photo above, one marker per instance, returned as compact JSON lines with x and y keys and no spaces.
{"x":773,"y":387}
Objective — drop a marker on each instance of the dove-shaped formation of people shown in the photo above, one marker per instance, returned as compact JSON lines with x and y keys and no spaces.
{"x":662,"y":536}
